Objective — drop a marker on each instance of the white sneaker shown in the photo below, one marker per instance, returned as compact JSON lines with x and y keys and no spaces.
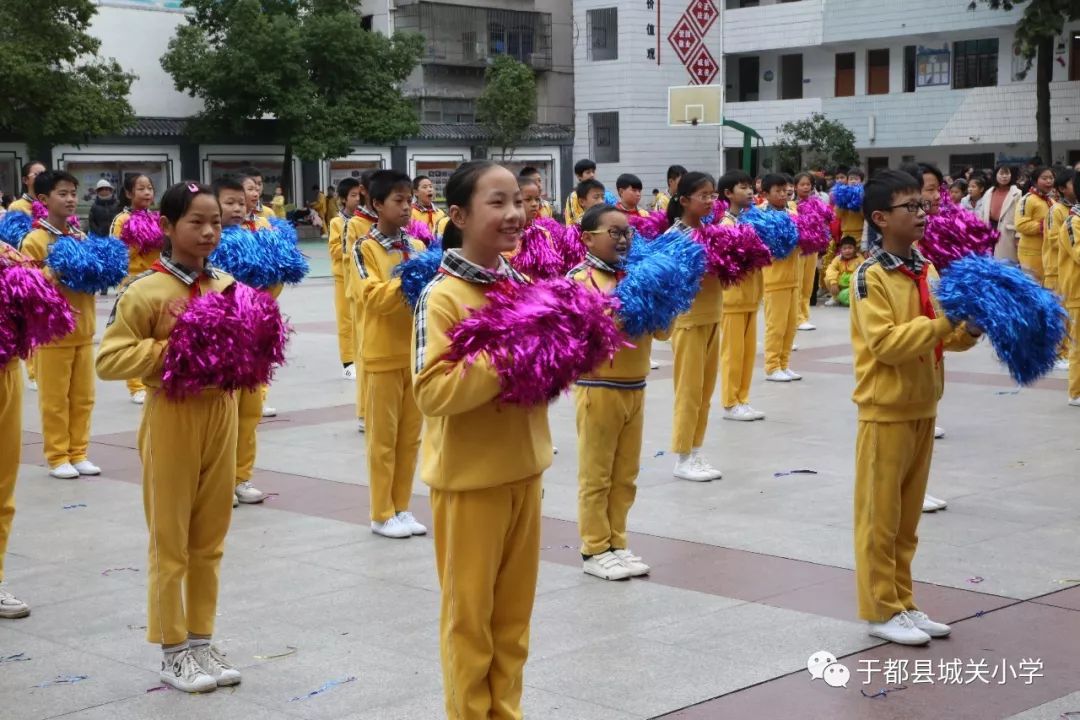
{"x":12,"y":607}
{"x":632,"y":562}
{"x":85,"y":467}
{"x":411,"y":522}
{"x":939,"y":432}
{"x":704,"y":465}
{"x":653,"y":365}
{"x":65,"y":471}
{"x":606,"y":566}
{"x":686,"y":468}
{"x":138,"y":397}
{"x":360,"y":428}
{"x":807,"y":326}
{"x":899,"y":629}
{"x":777,"y":376}
{"x":554,"y":450}
{"x":794,"y":347}
{"x":349,"y":373}
{"x":1061,"y":364}
{"x":1075,"y":402}
{"x":928,"y":626}
{"x":792,"y":374}
{"x":739,"y":413}
{"x":185,"y":674}
{"x":755,"y":414}
{"x":395,"y":527}
{"x":831,"y":302}
{"x":938,"y":503}
{"x":213,"y":663}
{"x":269,"y":411}
{"x":249,"y":494}
{"x":31,"y":385}
{"x":235,"y":501}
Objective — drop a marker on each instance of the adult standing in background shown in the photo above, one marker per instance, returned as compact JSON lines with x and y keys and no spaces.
{"x":104,"y":208}
{"x":1002,"y":211}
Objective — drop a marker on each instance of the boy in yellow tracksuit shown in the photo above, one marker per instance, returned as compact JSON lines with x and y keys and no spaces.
{"x":1059,"y":215}
{"x":898,"y":335}
{"x":349,"y":194}
{"x":781,"y":292}
{"x":187,"y":446}
{"x":393,"y":438}
{"x":65,"y":368}
{"x":840,"y":271}
{"x":1032,"y":213}
{"x":610,"y":404}
{"x":583,"y":170}
{"x":1069,"y":243}
{"x":532,"y":174}
{"x":483,"y":460}
{"x":738,"y":339}
{"x":423,"y":209}
{"x":356,"y":229}
{"x":255,"y":176}
{"x":628,"y":188}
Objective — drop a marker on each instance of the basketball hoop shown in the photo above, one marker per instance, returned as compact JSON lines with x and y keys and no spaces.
{"x":695,"y":105}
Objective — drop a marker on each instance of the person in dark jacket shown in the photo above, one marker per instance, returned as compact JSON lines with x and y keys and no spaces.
{"x":104,"y":208}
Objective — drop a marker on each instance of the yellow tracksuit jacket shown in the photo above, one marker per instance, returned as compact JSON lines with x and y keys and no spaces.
{"x":1055,"y":220}
{"x":898,"y":381}
{"x":188,"y":451}
{"x":24,"y":204}
{"x":393,"y":433}
{"x":356,"y":229}
{"x":572,"y":212}
{"x":483,"y":460}
{"x":1068,"y":241}
{"x":1031,"y":215}
{"x":11,"y":388}
{"x":738,"y":341}
{"x":138,"y":263}
{"x":431,"y":216}
{"x":342,"y":309}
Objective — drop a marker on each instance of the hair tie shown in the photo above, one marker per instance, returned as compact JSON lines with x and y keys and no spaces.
{"x":192,"y":187}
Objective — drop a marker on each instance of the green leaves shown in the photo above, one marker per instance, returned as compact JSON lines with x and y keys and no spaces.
{"x":508,"y":102}
{"x":1041,"y":19}
{"x":812,"y":142}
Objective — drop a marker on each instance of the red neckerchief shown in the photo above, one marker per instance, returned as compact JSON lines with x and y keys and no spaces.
{"x":430,"y":212}
{"x":362,"y":213}
{"x":926,"y":304}
{"x":621,"y":208}
{"x":194,"y":290}
{"x":250,"y":225}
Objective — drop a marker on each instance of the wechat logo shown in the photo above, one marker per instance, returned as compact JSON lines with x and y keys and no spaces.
{"x":822,"y":665}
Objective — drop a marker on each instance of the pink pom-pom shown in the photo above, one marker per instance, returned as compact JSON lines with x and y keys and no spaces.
{"x":230,"y":340}
{"x":420,"y":231}
{"x":38,"y":211}
{"x":732,"y":251}
{"x":572,"y":249}
{"x":142,"y":232}
{"x":813,"y":221}
{"x":554,"y":227}
{"x":650,"y":226}
{"x":32,"y":311}
{"x":539,"y":337}
{"x":719,"y":209}
{"x":536,"y":256}
{"x":954,"y":233}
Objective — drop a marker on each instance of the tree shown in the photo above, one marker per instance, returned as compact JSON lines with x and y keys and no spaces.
{"x":55,"y":87}
{"x":305,"y":69}
{"x":508,"y":102}
{"x":813,"y":141}
{"x":1039,"y":26}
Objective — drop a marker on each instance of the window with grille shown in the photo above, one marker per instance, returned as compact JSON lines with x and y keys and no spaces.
{"x":603,"y":29}
{"x":604,"y":137}
{"x":975,"y":63}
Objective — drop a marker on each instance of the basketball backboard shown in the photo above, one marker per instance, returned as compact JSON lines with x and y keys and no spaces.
{"x":694,"y":105}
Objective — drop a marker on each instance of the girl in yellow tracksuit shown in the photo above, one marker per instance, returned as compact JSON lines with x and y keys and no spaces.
{"x":393,"y":437}
{"x":424,"y":210}
{"x":1068,"y":241}
{"x":695,"y":340}
{"x":804,"y":187}
{"x":482,"y":459}
{"x":1032,"y":213}
{"x":781,"y":293}
{"x":25,"y":204}
{"x":356,"y":229}
{"x":138,"y":195}
{"x":349,"y":194}
{"x":187,"y":446}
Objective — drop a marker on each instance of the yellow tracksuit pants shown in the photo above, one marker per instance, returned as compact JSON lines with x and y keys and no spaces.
{"x":1031,"y":260}
{"x":487,"y":553}
{"x":31,"y":373}
{"x":697,"y":361}
{"x":393,"y":441}
{"x":66,"y":399}
{"x":609,"y":426}
{"x":780,"y":324}
{"x":892,"y":464}
{"x":1074,"y":352}
{"x":738,"y":346}
{"x":188,"y":452}
{"x":1050,"y":282}
{"x":10,"y":448}
{"x":358,"y":357}
{"x":806,"y":286}
{"x":249,"y":407}
{"x":342,"y":314}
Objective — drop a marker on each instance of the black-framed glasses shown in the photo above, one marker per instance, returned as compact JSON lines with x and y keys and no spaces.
{"x":615,"y":233}
{"x":913,"y":206}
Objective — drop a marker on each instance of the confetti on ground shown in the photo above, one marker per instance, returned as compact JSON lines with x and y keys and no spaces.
{"x":63,"y":680}
{"x":1015,"y":391}
{"x":980,"y":613}
{"x":289,"y":650}
{"x":801,"y":471}
{"x":273,"y":496}
{"x":157,"y":688}
{"x":326,"y":686}
{"x":659,"y":453}
{"x":1068,"y":581}
{"x":975,"y":580}
{"x":17,"y":657}
{"x":76,"y":505}
{"x":136,"y":627}
{"x":883,"y":692}
{"x":110,"y":571}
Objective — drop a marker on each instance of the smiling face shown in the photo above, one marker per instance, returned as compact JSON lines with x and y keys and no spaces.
{"x":197,"y":233}
{"x":610,"y":241}
{"x":492,"y":221}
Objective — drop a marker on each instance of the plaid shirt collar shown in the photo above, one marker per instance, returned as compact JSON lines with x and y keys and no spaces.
{"x":184,"y":274}
{"x":598,"y":264}
{"x":456,"y":265}
{"x":72,"y":231}
{"x":401,"y":241}
{"x":27,"y":197}
{"x":681,"y":227}
{"x":892,"y":262}
{"x":1075,"y":211}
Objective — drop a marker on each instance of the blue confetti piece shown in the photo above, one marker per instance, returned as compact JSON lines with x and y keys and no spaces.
{"x":75,"y":506}
{"x":326,"y":686}
{"x":63,"y":680}
{"x":17,"y":657}
{"x":883,"y":692}
{"x":802,"y":471}
{"x":659,"y":453}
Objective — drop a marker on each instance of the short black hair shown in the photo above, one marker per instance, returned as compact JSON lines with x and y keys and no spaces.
{"x":177,"y":199}
{"x":384,"y":182}
{"x":251,"y":172}
{"x":848,"y":240}
{"x":417,"y":180}
{"x":47,"y":181}
{"x":583,"y":166}
{"x":593,"y":216}
{"x":585,"y":186}
{"x":528,"y":171}
{"x":674,"y":172}
{"x":732,"y":178}
{"x":626,"y":180}
{"x":980,"y":179}
{"x":881,"y":191}
{"x":1063,"y":176}
{"x":929,"y":169}
{"x":345,"y":187}
{"x":960,"y":183}
{"x":857,"y":172}
{"x":772,"y":180}
{"x":841,"y":170}
{"x":228,"y":182}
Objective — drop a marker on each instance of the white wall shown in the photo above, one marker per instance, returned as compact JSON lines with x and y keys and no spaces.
{"x":773,"y":26}
{"x":847,"y":20}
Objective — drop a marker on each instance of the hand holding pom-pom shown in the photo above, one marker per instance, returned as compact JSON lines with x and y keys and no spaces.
{"x":731,"y":251}
{"x":953,"y":233}
{"x":142,"y":232}
{"x":650,"y":226}
{"x":420,"y":231}
{"x":812,"y":221}
{"x":775,"y":228}
{"x":536,"y":256}
{"x":417,"y":272}
{"x":661,"y":282}
{"x":89,"y":265}
{"x":848,"y":197}
{"x":32,"y":311}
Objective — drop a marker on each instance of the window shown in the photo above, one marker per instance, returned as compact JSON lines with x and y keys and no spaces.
{"x":1074,"y":58}
{"x":517,"y":42}
{"x":845,"y":74}
{"x":603,"y":29}
{"x":979,"y":161}
{"x":873,"y":164}
{"x":366,"y":22}
{"x":447,"y":110}
{"x":975,"y":63}
{"x":909,"y":68}
{"x":604,"y":136}
{"x":791,"y":77}
{"x":749,"y":71}
{"x":877,"y":72}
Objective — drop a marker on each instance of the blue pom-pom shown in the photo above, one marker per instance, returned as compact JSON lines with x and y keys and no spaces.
{"x":610,"y":198}
{"x":848,"y":197}
{"x":776,"y":228}
{"x":241,"y":254}
{"x":286,"y":261}
{"x":417,"y":272}
{"x":1024,"y":321}
{"x":14,"y":226}
{"x":91,"y":265}
{"x":661,"y":282}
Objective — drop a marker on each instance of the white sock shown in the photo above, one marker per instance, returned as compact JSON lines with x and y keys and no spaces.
{"x":684,"y":457}
{"x":198,"y":642}
{"x":171,"y":651}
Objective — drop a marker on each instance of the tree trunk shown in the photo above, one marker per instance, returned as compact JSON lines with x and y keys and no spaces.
{"x":1043,"y":72}
{"x":286,"y":175}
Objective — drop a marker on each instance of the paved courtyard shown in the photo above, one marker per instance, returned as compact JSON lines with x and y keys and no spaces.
{"x":751,"y":574}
